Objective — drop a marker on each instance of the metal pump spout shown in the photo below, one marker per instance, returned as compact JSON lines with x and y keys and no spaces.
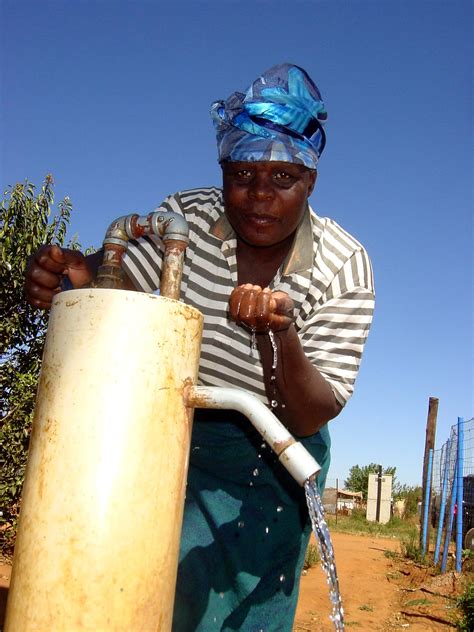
{"x":168,"y":225}
{"x":291,"y":454}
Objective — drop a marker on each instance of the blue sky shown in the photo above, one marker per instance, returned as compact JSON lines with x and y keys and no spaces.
{"x":113,"y":98}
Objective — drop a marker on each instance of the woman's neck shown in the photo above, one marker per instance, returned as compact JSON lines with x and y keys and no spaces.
{"x":258,"y":265}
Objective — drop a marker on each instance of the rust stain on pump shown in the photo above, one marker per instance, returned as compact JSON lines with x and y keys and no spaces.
{"x":281,"y":446}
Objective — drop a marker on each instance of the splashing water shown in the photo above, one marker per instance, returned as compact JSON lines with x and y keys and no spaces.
{"x":326,"y":551}
{"x":315,"y":508}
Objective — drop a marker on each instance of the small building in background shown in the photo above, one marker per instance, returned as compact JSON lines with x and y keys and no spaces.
{"x":348,"y":501}
{"x":345,"y":500}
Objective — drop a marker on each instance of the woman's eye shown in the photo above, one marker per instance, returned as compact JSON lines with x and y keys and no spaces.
{"x":282,"y":177}
{"x":243,"y":174}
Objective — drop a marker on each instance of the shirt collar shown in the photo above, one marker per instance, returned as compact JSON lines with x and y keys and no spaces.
{"x":299,"y":258}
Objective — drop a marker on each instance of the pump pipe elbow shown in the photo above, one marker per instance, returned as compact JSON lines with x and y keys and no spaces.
{"x":166,"y":224}
{"x":291,"y":454}
{"x":171,"y":227}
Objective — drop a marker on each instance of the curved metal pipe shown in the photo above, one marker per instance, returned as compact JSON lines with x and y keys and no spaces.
{"x":291,"y":454}
{"x":175,"y":234}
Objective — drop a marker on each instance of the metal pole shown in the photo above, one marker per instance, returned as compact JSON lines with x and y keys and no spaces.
{"x":460,"y":493}
{"x":337,"y":494}
{"x":379,"y":494}
{"x":426,"y":512}
{"x":442,"y":509}
{"x":449,"y":525}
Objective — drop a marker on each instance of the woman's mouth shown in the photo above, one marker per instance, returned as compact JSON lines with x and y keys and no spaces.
{"x":260,"y":219}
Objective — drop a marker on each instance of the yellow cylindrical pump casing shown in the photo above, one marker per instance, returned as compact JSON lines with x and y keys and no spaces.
{"x":100,"y":522}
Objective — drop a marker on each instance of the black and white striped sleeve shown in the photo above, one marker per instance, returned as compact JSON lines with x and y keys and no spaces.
{"x":335,"y":330}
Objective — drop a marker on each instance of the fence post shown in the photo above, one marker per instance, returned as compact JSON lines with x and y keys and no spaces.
{"x":442,"y":509}
{"x":429,"y":445}
{"x":460,"y":493}
{"x":426,"y":512}
{"x":449,"y":521}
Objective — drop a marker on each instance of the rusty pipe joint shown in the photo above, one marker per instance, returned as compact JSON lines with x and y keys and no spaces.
{"x":166,"y":224}
{"x":171,"y":227}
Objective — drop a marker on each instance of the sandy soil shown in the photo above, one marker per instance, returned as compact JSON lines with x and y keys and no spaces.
{"x":380,"y":592}
{"x":368,"y":596}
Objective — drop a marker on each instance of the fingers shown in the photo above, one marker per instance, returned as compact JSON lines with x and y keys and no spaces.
{"x":260,"y":309}
{"x":242,"y":304}
{"x":282,"y":304}
{"x":45,"y":271}
{"x":43,"y":276}
{"x":40,"y":297}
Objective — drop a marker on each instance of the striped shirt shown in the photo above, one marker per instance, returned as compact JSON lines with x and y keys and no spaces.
{"x":327,"y":274}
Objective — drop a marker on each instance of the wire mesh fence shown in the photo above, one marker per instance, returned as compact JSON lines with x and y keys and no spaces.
{"x":452,"y":491}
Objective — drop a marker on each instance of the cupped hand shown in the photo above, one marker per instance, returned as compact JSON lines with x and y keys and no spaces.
{"x":46,"y":269}
{"x":260,"y":309}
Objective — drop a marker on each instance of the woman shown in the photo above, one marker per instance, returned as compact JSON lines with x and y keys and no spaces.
{"x":287,"y":299}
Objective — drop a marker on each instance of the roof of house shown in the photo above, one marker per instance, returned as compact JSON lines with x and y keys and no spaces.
{"x":342,"y":493}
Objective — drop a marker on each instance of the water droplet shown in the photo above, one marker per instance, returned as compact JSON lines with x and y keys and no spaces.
{"x":259,"y":456}
{"x":279,"y":508}
{"x":241,"y":524}
{"x":196,"y":447}
{"x":267,"y":530}
{"x":251,"y":484}
{"x":253,"y":343}
{"x":282,"y":578}
{"x":263,"y":446}
{"x":256,"y":472}
{"x":215,"y":619}
{"x":273,"y":378}
{"x":274,"y":403}
{"x":221,"y":595}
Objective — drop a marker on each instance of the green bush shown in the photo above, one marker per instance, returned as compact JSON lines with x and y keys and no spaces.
{"x":411,"y":496}
{"x":410,"y":547}
{"x":25,"y":225}
{"x":466,"y":605}
{"x":312,"y":556}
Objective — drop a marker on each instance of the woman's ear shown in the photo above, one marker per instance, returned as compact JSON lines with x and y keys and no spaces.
{"x":313,"y":175}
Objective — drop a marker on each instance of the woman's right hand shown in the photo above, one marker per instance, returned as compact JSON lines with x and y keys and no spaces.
{"x":46,"y":270}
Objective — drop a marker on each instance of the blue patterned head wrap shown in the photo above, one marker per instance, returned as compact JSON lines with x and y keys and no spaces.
{"x":279,"y":118}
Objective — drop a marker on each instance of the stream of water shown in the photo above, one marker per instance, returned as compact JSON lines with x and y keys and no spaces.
{"x":326,"y":551}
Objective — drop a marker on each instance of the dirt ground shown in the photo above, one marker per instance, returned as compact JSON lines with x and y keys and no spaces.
{"x":380,"y":591}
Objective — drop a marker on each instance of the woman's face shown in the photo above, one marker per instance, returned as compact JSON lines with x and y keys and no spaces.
{"x":265,"y":201}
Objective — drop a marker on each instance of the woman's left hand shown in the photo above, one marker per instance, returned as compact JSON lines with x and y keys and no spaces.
{"x":260,"y":309}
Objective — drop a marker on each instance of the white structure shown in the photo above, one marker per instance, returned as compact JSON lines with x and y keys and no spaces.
{"x":348,"y":501}
{"x":385,"y":498}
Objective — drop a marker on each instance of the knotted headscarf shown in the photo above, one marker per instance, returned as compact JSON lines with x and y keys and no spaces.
{"x":278,"y":118}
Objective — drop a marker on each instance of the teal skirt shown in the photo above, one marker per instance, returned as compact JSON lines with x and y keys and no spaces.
{"x":245,"y":530}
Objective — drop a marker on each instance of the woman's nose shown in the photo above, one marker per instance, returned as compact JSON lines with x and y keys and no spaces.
{"x":261,"y":188}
